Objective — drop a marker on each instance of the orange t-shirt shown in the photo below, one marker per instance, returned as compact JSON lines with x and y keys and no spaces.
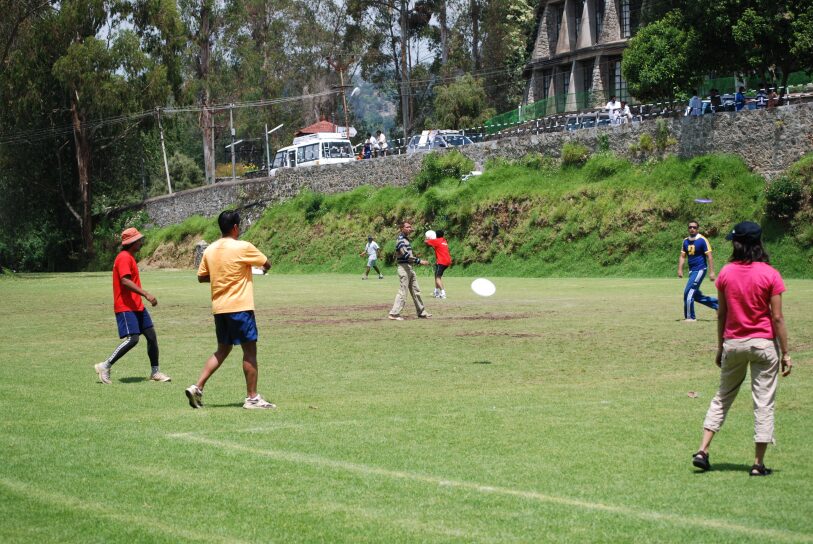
{"x":228,"y":264}
{"x":125,"y":300}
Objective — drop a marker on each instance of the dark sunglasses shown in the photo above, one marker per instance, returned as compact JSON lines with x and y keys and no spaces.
{"x":694,"y":227}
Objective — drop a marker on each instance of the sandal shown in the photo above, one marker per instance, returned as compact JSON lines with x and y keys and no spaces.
{"x":760,"y":470}
{"x":701,"y":460}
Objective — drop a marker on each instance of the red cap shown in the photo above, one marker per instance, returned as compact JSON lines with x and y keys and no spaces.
{"x":130,"y":235}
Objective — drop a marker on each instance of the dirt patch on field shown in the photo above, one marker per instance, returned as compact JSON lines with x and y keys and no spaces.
{"x":493,"y":317}
{"x":172,"y":255}
{"x":511,"y":334}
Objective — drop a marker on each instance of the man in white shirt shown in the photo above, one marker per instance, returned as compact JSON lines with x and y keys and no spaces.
{"x":373,"y":145}
{"x":695,"y":105}
{"x":371,"y":249}
{"x":382,"y":143}
{"x":612,"y":108}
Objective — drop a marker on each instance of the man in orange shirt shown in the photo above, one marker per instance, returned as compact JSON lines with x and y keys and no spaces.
{"x":443,"y":260}
{"x":226,"y":265}
{"x":132,"y":317}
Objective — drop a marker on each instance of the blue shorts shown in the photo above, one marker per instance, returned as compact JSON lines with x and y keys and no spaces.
{"x":236,"y":328}
{"x":133,"y":322}
{"x":439,"y":269}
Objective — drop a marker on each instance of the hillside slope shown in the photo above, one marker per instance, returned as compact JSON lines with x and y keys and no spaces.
{"x":606,"y":218}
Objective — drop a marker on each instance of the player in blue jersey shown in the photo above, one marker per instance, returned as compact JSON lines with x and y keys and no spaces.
{"x":698,"y":249}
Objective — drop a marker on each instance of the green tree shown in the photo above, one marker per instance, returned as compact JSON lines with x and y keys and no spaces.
{"x":775,"y":37}
{"x":659,"y":60}
{"x":460,"y":104}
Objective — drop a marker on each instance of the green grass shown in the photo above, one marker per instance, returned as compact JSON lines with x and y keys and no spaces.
{"x":607,"y":218}
{"x":554,"y":411}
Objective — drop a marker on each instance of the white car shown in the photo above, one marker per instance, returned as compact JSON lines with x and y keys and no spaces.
{"x":430,"y":140}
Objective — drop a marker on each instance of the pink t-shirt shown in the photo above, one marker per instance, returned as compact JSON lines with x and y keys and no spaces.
{"x":748,"y":289}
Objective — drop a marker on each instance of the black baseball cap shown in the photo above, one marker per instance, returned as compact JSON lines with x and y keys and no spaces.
{"x":746,"y":230}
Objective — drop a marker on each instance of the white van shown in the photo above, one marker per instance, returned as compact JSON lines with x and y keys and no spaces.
{"x":313,"y":150}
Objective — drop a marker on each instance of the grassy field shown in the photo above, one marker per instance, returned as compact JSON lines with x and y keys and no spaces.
{"x":557,"y":410}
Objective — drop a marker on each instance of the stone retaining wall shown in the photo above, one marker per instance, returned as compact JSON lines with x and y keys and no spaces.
{"x":768,"y":141}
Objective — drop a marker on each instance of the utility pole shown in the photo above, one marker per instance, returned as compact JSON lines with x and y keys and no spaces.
{"x":231,"y":127}
{"x":341,"y":67}
{"x":267,"y":147}
{"x":163,"y":149}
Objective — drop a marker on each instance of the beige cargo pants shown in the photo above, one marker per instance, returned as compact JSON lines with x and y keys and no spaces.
{"x":408,"y":281}
{"x":761,"y":355}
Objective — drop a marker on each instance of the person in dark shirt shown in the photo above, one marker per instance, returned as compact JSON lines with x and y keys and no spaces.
{"x":408,"y":281}
{"x":698,"y":250}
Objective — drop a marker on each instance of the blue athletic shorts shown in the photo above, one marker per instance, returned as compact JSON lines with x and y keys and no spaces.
{"x":236,"y":328}
{"x":439,"y":269}
{"x":133,"y":322}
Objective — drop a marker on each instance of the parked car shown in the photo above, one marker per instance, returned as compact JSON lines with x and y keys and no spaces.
{"x":429,"y":140}
{"x":573,"y":122}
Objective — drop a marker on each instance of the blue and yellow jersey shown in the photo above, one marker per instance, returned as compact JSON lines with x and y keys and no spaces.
{"x":696,"y":250}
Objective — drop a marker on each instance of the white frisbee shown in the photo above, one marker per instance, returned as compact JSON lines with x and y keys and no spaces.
{"x":431,"y":235}
{"x":483,"y":287}
{"x":257,"y":270}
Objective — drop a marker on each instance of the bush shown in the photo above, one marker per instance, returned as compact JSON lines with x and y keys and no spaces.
{"x":603,"y":143}
{"x":438,"y":166}
{"x":496,"y":162}
{"x":537,"y":161}
{"x":783,"y":198}
{"x":574,"y":154}
{"x":663,"y":139}
{"x":183,"y":172}
{"x":604,"y":165}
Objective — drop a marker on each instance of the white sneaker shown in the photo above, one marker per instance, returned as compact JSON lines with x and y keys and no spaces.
{"x":395,"y":317}
{"x":258,"y":403}
{"x":160,"y":377}
{"x":364,"y":277}
{"x":380,"y":277}
{"x":103,"y":372}
{"x":195,"y":396}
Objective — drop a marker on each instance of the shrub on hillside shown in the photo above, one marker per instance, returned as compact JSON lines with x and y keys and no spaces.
{"x":537,"y":161}
{"x":496,"y":162}
{"x":783,"y":198}
{"x":438,"y":166}
{"x":183,"y":172}
{"x":604,"y":165}
{"x":574,"y":154}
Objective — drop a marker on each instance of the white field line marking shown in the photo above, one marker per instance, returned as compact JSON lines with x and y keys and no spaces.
{"x":647,"y":515}
{"x":70,"y":502}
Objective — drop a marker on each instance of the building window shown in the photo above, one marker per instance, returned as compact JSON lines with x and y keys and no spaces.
{"x":578,"y":9}
{"x":618,"y":87}
{"x":599,"y":18}
{"x":587,"y":83}
{"x":625,"y":18}
{"x":555,"y":25}
{"x":547,"y":76}
{"x":561,"y":103}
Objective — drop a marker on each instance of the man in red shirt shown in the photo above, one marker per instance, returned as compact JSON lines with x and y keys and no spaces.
{"x":132,"y":317}
{"x":442,"y":261}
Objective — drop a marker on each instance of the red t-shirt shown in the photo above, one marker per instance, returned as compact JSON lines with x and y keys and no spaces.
{"x":441,"y":251}
{"x":125,"y":300}
{"x":748,"y":289}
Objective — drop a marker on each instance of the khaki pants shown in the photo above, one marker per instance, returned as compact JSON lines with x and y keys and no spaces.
{"x":408,"y":281}
{"x":762,"y":356}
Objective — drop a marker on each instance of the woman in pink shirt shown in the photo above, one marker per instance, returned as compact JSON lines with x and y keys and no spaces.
{"x":749,"y":327}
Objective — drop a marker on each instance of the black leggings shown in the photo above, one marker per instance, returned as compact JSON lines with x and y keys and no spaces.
{"x":130,"y":342}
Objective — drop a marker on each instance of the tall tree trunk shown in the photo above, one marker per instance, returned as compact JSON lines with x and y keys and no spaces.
{"x":207,"y":131}
{"x":475,"y":33}
{"x":203,"y":41}
{"x":82,"y":146}
{"x":406,"y":115}
{"x":444,"y":34}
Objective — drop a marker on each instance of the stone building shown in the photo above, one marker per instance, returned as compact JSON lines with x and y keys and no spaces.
{"x":576,"y":59}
